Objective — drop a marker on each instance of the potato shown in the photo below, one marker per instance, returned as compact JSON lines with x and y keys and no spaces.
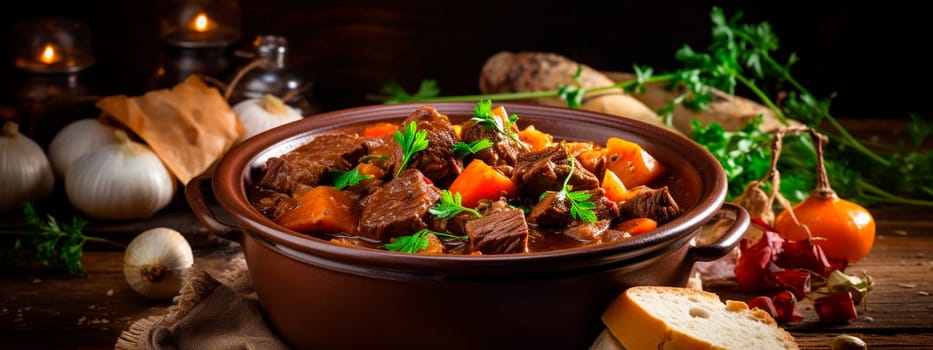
{"x":732,"y":112}
{"x":539,"y":71}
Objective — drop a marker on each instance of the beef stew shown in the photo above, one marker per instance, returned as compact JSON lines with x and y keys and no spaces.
{"x":408,"y":190}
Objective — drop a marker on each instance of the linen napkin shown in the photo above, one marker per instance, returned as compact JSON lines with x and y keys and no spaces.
{"x":207,"y":314}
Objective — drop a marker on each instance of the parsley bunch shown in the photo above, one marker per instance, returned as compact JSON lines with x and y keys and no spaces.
{"x":46,"y":244}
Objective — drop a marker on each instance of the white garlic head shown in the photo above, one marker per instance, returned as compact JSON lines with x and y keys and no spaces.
{"x":261,"y":114}
{"x":155,"y":262}
{"x":25,"y":172}
{"x":119,"y":181}
{"x":77,"y":139}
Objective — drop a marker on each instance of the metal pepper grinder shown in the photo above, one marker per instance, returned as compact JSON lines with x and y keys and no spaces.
{"x":269,"y":73}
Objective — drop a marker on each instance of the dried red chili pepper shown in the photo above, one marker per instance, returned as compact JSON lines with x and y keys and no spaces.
{"x":795,"y":281}
{"x":764,"y":303}
{"x":803,"y":254}
{"x":754,"y":271}
{"x":786,"y":305}
{"x":836,"y":308}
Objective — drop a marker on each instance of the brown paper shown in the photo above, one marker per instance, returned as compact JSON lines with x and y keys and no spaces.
{"x":189,"y":127}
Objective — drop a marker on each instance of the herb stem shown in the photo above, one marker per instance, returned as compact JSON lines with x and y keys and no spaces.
{"x":57,"y":235}
{"x":530,"y":94}
{"x":471,"y":98}
{"x":887,"y":197}
{"x":761,"y":96}
{"x":847,"y":138}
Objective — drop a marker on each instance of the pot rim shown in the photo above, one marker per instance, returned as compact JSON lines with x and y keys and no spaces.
{"x":234,"y":168}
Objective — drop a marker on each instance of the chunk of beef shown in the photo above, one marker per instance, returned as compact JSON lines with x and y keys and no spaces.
{"x":656,"y":204}
{"x":398,"y":208}
{"x":350,"y":147}
{"x":274,"y":204}
{"x":502,"y":232}
{"x":613,"y":236}
{"x":384,"y":153}
{"x":437,"y":162}
{"x":551,"y":212}
{"x":486,"y":207}
{"x":555,"y":212}
{"x":308,"y":165}
{"x":456,"y":225}
{"x":538,"y":172}
{"x":587,"y":232}
{"x":504,"y":150}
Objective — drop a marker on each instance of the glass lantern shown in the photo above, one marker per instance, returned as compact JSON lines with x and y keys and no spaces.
{"x":199,"y":23}
{"x":270,"y":73}
{"x":51,"y":84}
{"x":197,"y":37}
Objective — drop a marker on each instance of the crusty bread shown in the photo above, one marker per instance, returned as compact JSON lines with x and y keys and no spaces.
{"x":685,"y":318}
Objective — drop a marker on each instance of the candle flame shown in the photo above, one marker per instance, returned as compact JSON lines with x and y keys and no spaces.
{"x":200,"y":22}
{"x":48,"y":54}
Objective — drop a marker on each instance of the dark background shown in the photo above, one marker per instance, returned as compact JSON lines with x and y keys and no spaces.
{"x":872,"y":56}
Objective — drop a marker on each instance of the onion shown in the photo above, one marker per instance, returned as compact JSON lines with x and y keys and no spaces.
{"x":77,"y":139}
{"x":25,"y":172}
{"x":119,"y":181}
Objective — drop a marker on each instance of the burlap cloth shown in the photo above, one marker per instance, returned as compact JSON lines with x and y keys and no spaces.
{"x":208,"y":313}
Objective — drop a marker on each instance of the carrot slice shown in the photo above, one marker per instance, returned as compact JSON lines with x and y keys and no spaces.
{"x":481,"y":181}
{"x":380,"y":129}
{"x":637,"y":226}
{"x":614,"y":188}
{"x":632,"y":164}
{"x":536,"y":139}
{"x":323,"y":209}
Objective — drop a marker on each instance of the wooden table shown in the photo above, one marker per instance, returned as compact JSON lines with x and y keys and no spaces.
{"x":57,"y":312}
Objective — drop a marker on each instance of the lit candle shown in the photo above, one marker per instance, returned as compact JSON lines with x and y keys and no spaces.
{"x":201,"y":23}
{"x":49,"y":54}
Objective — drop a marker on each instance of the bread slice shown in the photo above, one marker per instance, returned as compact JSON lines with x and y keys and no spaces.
{"x":683,"y":318}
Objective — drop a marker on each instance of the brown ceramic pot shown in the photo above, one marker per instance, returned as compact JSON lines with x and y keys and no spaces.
{"x":323,"y":296}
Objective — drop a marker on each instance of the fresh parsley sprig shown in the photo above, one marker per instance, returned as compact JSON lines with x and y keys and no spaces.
{"x":482,"y":115}
{"x":343,"y":179}
{"x":397,"y":93}
{"x":415,"y":242}
{"x":451,"y":204}
{"x":412,"y":141}
{"x":54,"y":245}
{"x":573,"y":94}
{"x":462,"y":149}
{"x":580,"y":205}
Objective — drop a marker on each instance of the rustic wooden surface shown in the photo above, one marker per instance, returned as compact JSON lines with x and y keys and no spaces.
{"x":89,"y":313}
{"x":57,"y":312}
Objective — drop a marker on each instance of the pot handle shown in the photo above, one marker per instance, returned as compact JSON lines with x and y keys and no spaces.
{"x":196,"y":192}
{"x":728,"y":240}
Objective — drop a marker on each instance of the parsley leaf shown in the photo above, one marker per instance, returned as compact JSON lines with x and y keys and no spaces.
{"x":415,"y":242}
{"x":745,"y":155}
{"x":53,"y":245}
{"x":462,"y":149}
{"x":573,"y":94}
{"x":482,"y":115}
{"x":343,"y":179}
{"x":397,"y":93}
{"x":412,"y":141}
{"x":450,"y":205}
{"x":580,"y":206}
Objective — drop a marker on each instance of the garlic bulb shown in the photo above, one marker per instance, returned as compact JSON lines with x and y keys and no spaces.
{"x":155,"y":262}
{"x":25,"y":172}
{"x":261,"y":114}
{"x":77,"y":139}
{"x":123,"y":180}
